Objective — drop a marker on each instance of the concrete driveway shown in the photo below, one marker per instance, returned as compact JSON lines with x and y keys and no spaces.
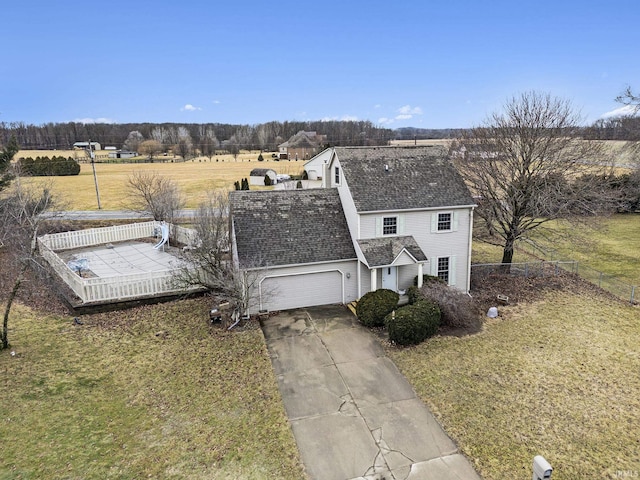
{"x":353,"y":414}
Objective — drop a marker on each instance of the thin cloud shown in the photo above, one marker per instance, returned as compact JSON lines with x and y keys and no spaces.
{"x":189,"y":108}
{"x":94,"y":120}
{"x":406,"y":112}
{"x":343,"y":118}
{"x":624,"y":111}
{"x":409,"y":110}
{"x":216,"y":102}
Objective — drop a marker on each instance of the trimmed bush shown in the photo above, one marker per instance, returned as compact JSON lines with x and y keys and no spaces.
{"x":260,"y":158}
{"x":267,"y":180}
{"x":46,"y":167}
{"x":374,"y":306}
{"x":414,"y":294}
{"x":413,"y":324}
{"x":426,"y":279}
{"x":458,"y":309}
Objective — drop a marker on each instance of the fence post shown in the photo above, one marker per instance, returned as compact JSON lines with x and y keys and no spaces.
{"x":633,"y":293}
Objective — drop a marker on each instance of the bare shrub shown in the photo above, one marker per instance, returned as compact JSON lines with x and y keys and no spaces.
{"x":458,"y":309}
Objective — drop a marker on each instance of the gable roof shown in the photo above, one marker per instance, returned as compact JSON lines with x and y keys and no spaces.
{"x":417,"y":178}
{"x":380,"y":252}
{"x":287,"y":227}
{"x":302,"y":139}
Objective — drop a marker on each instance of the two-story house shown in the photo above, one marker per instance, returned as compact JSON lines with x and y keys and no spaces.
{"x":386,"y":216}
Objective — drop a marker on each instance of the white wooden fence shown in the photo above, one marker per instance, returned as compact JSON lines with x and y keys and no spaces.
{"x":98,"y":236}
{"x":117,"y":288}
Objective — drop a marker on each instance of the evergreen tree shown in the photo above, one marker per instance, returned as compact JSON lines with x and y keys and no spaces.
{"x":6,"y":156}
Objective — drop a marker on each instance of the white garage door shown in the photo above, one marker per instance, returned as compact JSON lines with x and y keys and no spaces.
{"x":304,"y":290}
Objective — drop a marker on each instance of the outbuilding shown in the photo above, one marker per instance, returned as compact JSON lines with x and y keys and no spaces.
{"x":257,"y":175}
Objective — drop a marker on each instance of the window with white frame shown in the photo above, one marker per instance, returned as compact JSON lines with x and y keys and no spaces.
{"x":337,"y":175}
{"x":389,"y":225}
{"x":443,"y":268}
{"x":445,"y":222}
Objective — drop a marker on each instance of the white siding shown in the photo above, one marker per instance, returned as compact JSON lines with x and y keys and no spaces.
{"x":434,"y":244}
{"x":406,"y":274}
{"x":306,"y":285}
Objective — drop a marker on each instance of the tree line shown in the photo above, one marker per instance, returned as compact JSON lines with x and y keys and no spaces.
{"x":191,"y":136}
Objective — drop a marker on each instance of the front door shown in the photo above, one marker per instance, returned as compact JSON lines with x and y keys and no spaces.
{"x":390,"y":278}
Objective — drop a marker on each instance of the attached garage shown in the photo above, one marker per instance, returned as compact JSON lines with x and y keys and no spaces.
{"x":297,"y":246}
{"x":283,"y":292}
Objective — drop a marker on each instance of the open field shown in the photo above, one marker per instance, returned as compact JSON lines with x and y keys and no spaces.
{"x":612,"y":248}
{"x":153,"y":392}
{"x":195,"y":178}
{"x":558,"y":377}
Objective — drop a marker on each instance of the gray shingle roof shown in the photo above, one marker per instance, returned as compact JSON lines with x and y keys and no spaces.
{"x":383,"y":251}
{"x":287,"y":227}
{"x":260,"y":172}
{"x":418,"y":177}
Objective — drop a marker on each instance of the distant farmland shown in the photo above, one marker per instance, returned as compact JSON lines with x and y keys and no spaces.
{"x":194,"y":177}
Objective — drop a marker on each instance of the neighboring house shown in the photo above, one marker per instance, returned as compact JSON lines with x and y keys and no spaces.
{"x":256,"y":176}
{"x":404,"y":211}
{"x":316,"y":166}
{"x":302,"y":146}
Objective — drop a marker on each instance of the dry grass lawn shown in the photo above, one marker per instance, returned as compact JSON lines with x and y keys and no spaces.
{"x":153,"y":392}
{"x":559,"y":377}
{"x":195,"y":178}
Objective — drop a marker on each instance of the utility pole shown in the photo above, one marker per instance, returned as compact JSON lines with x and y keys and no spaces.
{"x":95,"y":177}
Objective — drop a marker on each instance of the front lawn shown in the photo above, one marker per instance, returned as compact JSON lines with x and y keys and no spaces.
{"x":558,"y":377}
{"x":153,"y":392}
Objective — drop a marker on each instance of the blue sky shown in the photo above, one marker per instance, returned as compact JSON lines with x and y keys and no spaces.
{"x":422,"y":63}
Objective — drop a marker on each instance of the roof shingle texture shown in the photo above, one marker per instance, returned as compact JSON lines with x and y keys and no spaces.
{"x":288,"y":227}
{"x":383,"y":251}
{"x":417,"y":177}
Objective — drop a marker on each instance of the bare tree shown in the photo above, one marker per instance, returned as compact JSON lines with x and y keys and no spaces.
{"x":209,"y":262}
{"x":208,"y":142}
{"x":133,"y":141}
{"x":150,"y":148}
{"x":20,"y":220}
{"x":523,"y":165}
{"x":629,"y":98}
{"x":156,"y":195}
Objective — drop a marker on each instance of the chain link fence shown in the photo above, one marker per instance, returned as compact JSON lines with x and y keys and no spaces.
{"x":610,"y":283}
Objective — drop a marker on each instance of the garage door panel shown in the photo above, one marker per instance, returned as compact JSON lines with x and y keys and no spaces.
{"x":303,"y":290}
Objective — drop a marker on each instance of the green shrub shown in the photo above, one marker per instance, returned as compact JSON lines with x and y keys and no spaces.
{"x":414,"y":294}
{"x":45,"y":166}
{"x":374,"y":306}
{"x":299,"y":184}
{"x":260,"y":158}
{"x":305,"y":175}
{"x":413,"y":324}
{"x":428,"y":279}
{"x":458,"y":309}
